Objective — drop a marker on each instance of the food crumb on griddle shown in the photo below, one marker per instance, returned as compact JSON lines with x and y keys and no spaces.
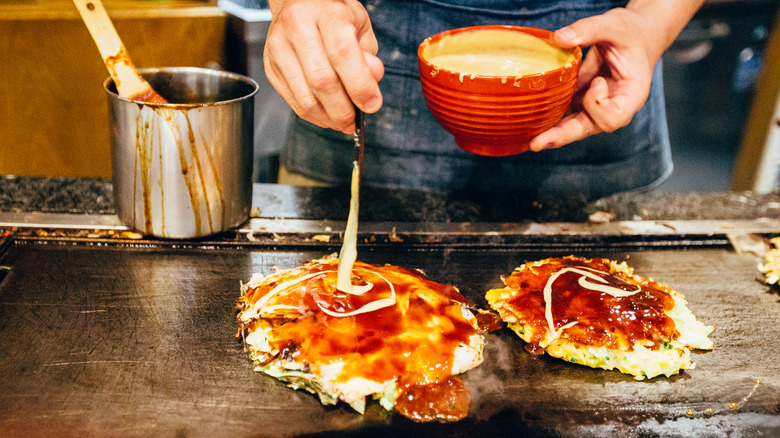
{"x":770,"y":265}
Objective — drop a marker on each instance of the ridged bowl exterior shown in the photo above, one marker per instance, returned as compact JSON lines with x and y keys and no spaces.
{"x":495,"y":115}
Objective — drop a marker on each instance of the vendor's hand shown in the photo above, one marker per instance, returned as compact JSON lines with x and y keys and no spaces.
{"x":614,"y":79}
{"x":320,"y":55}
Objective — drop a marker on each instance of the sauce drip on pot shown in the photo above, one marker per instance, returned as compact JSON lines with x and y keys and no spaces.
{"x":122,"y":60}
{"x":149,"y":96}
{"x":199,"y":172}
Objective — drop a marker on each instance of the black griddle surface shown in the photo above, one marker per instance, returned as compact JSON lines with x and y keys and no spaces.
{"x":140,"y":341}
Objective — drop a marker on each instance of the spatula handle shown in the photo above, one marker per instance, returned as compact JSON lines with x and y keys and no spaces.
{"x":128,"y":82}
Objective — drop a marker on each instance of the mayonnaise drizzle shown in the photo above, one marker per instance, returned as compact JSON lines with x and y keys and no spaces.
{"x":260,"y":305}
{"x":583,"y":281}
{"x":348,"y":254}
{"x":370,"y":307}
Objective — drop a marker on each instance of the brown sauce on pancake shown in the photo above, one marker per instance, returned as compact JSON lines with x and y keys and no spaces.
{"x":602,"y":319}
{"x":447,"y":400}
{"x":393,"y":342}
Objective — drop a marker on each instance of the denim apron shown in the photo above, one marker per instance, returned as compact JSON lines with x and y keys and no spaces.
{"x":406,"y":147}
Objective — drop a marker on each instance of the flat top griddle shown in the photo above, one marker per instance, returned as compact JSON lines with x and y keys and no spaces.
{"x":140,"y":339}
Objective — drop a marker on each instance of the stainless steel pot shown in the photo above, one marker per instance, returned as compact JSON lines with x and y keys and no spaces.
{"x":184,"y":169}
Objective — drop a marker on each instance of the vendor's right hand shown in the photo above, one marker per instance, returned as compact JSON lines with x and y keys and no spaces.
{"x":320,"y":55}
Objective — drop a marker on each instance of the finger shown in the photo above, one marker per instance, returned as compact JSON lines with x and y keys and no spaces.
{"x":588,"y":31}
{"x":322,"y":81}
{"x":370,"y":46}
{"x":606,"y":112}
{"x":590,"y":68}
{"x":375,"y":65}
{"x":295,"y":48}
{"x":286,"y":76}
{"x":568,"y":130}
{"x":316,"y":87}
{"x":366,"y":38}
{"x":591,"y":64}
{"x":349,"y":63}
{"x":566,"y":37}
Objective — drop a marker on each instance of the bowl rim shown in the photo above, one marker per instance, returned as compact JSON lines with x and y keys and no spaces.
{"x":543,"y":34}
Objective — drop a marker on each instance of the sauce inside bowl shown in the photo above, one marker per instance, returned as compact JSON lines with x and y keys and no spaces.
{"x":496,"y":52}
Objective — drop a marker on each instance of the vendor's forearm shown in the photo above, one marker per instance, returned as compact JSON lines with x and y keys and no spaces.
{"x":665,"y":19}
{"x":275,"y":6}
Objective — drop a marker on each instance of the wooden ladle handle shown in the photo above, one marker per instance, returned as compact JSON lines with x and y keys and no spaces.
{"x":128,"y":82}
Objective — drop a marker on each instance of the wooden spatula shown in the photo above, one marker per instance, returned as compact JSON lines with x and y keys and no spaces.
{"x":129,"y":83}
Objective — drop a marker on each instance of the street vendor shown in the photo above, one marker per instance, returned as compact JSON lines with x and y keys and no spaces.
{"x":324,"y":55}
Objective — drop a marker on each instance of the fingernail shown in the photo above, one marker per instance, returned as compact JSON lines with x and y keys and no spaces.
{"x":373,"y":104}
{"x":537,"y":148}
{"x":568,"y":34}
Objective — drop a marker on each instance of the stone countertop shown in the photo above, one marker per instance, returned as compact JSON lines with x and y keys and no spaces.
{"x":56,"y":195}
{"x":95,"y":196}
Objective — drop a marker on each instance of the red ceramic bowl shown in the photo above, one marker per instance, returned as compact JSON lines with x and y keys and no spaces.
{"x":495,"y":114}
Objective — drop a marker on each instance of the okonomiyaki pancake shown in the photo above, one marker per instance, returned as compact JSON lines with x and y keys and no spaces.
{"x":397,"y":337}
{"x":598,"y":313}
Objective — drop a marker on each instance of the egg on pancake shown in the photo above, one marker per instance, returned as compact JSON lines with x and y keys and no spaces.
{"x":397,"y":337}
{"x":598,"y":313}
{"x":770,"y":264}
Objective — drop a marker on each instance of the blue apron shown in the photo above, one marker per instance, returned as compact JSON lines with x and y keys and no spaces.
{"x":406,"y":147}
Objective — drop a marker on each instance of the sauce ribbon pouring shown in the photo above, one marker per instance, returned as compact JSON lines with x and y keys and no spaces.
{"x":348,"y":254}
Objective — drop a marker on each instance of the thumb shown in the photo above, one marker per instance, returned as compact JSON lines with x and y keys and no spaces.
{"x":585,"y":32}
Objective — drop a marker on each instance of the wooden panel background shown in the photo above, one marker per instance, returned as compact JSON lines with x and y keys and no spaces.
{"x":54,"y":111}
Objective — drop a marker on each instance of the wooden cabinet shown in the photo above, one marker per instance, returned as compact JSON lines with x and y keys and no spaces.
{"x":53,"y":110}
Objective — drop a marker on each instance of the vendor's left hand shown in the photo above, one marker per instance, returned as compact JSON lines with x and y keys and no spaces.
{"x":614,"y":79}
